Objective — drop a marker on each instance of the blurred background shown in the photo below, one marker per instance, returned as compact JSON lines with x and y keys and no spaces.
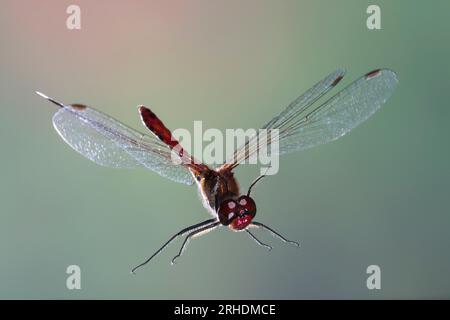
{"x":378,"y":196}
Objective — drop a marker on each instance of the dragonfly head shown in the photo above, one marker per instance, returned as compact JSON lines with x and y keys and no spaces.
{"x":237,"y":214}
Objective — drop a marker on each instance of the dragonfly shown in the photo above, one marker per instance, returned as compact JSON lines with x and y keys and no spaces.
{"x":303,"y":124}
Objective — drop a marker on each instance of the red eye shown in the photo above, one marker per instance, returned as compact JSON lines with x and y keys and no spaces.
{"x":228,"y":210}
{"x":246,"y":212}
{"x":248,"y":205}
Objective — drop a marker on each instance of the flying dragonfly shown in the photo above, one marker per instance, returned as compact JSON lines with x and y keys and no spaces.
{"x":303,"y":124}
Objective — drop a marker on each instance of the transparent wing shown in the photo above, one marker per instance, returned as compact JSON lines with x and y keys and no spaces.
{"x":301,"y":125}
{"x":306,"y":99}
{"x":108,"y":142}
{"x":292,"y":111}
{"x":340,"y":114}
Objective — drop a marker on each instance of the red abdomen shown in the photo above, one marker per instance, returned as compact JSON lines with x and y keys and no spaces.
{"x":157,"y":127}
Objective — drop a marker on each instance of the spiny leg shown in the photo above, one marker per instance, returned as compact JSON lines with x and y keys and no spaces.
{"x":192,"y":234}
{"x":274,"y":233}
{"x":181,"y":233}
{"x":262,"y":244}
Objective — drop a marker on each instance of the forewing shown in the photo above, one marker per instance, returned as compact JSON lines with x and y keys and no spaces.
{"x":292,"y":111}
{"x":302,"y":125}
{"x":340,"y":114}
{"x":306,"y":99}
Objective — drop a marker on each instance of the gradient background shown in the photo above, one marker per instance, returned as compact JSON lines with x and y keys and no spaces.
{"x":377,"y":196}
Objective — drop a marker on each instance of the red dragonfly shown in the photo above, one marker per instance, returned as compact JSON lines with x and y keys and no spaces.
{"x":303,"y":124}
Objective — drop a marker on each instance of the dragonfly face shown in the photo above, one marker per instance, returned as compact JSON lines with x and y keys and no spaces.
{"x":237,"y":214}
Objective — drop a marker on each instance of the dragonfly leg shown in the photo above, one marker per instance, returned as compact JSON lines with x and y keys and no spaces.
{"x":180,"y":233}
{"x":262,"y":244}
{"x":197,"y":232}
{"x":274,"y":233}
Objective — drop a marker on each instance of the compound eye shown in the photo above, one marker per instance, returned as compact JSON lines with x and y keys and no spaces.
{"x":248,"y":204}
{"x":231,"y":205}
{"x":227,"y":211}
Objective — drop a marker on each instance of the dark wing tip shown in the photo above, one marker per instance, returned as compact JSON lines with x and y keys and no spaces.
{"x":378,"y":72}
{"x":337,"y":80}
{"x":79,"y":107}
{"x":372,"y":74}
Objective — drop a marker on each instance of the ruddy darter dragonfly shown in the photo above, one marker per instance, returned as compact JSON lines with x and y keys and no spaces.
{"x":303,"y":124}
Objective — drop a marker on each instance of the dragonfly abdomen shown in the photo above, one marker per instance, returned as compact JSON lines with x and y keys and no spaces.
{"x":157,"y":127}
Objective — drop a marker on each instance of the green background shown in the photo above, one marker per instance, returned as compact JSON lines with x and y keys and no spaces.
{"x":377,"y":196}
